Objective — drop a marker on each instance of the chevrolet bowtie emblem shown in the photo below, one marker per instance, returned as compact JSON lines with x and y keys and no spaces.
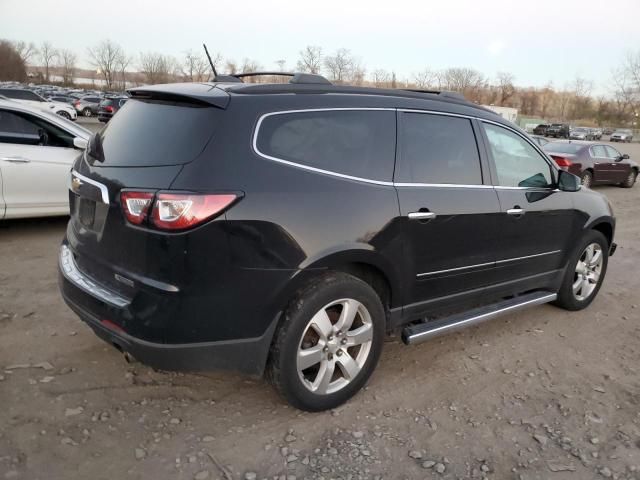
{"x":76,"y":183}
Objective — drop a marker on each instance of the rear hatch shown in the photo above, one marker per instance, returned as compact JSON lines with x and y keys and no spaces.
{"x":144,"y":147}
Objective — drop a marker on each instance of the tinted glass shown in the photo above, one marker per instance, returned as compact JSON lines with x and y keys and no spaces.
{"x":437,"y":149}
{"x":518,"y":163}
{"x":598,"y":151}
{"x":355,"y":143}
{"x":611,"y":152}
{"x":91,"y":99}
{"x":15,"y":93}
{"x":153,"y":133}
{"x":12,"y":123}
{"x":558,"y":147}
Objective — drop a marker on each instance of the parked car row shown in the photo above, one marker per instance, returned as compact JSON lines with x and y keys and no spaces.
{"x":564,"y":130}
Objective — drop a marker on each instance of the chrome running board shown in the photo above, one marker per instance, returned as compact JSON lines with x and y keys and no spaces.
{"x":421,"y":332}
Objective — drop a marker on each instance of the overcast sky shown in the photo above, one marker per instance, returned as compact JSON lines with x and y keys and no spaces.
{"x":538,"y":41}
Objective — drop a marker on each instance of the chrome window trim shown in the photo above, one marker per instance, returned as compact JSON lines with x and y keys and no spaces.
{"x":104,"y":192}
{"x":497,"y":262}
{"x":256,"y":131}
{"x":440,"y":185}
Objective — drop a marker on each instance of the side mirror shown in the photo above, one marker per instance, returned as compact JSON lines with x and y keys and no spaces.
{"x":624,"y":156}
{"x":568,"y":182}
{"x":79,"y":143}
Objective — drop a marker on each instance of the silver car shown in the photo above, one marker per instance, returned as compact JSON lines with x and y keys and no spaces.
{"x":623,"y":135}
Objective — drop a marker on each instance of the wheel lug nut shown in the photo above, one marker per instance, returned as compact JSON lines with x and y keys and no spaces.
{"x":339,"y":353}
{"x":330,"y":337}
{"x":330,"y":356}
{"x":344,"y":341}
{"x":325,"y":349}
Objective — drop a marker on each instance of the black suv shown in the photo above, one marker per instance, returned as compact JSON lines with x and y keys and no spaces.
{"x":109,"y":106}
{"x":558,"y":130}
{"x":286,"y":227}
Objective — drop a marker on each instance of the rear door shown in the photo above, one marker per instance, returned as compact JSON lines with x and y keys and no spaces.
{"x":448,"y":207}
{"x":619,"y":169}
{"x":35,"y":160}
{"x":535,"y":227}
{"x":601,"y":164}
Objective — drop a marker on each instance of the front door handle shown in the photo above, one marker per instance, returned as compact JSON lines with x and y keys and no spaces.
{"x":15,"y":159}
{"x":421,"y":216}
{"x":515,"y":211}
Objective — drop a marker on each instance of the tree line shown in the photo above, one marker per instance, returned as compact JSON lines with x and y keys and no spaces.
{"x":571,"y":102}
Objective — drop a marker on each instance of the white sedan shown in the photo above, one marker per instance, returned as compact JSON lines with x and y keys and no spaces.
{"x":37,"y":150}
{"x":32,"y":99}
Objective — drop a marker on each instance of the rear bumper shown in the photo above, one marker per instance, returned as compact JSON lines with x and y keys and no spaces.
{"x":102,"y":309}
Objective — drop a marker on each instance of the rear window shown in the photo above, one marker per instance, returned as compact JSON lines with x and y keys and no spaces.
{"x":146,"y":133}
{"x":106,"y":102}
{"x":556,"y":147}
{"x":437,"y":149}
{"x":358,"y":143}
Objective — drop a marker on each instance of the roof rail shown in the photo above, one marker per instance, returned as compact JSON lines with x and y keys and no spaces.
{"x":443,"y":93}
{"x":297,"y":77}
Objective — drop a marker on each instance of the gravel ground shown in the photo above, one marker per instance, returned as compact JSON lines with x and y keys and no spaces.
{"x":541,"y":394}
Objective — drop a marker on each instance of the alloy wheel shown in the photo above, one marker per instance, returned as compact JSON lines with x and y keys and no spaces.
{"x":64,"y":114}
{"x":334,"y":346}
{"x":631,"y":179}
{"x":586,"y":180}
{"x":588,"y":270}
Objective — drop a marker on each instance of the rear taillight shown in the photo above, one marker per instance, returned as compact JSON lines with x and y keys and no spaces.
{"x":109,"y":109}
{"x":136,"y":205}
{"x":562,"y":161}
{"x":76,"y":103}
{"x":173,"y":211}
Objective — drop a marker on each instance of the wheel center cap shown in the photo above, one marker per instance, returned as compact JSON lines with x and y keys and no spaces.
{"x":333,"y":346}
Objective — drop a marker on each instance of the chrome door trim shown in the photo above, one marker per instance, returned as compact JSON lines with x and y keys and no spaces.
{"x":498,"y":262}
{"x":526,"y":257}
{"x":457,"y":269}
{"x":439,"y":185}
{"x":103,"y":189}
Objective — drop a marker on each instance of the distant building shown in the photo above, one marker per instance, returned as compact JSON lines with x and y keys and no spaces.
{"x":507,"y":113}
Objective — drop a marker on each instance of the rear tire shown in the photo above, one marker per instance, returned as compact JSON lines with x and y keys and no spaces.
{"x":586,"y":179}
{"x":64,"y":114}
{"x":87,"y":112}
{"x":316,"y":362}
{"x":585,"y":272}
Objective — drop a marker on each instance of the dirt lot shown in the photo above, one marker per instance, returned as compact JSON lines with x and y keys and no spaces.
{"x":543,"y":394}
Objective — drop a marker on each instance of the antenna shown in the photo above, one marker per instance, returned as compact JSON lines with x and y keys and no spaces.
{"x":213,"y":68}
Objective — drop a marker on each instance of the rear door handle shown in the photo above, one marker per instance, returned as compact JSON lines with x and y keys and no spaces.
{"x":421,"y":216}
{"x":15,"y":159}
{"x":515,"y":211}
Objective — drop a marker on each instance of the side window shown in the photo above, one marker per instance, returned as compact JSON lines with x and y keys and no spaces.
{"x":32,"y":96}
{"x":437,"y":149}
{"x":611,"y":152}
{"x":359,"y":143}
{"x":517,"y":163}
{"x":16,"y":129}
{"x":598,"y":151}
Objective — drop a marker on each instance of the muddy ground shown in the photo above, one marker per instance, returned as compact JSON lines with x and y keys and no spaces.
{"x":542,"y":394}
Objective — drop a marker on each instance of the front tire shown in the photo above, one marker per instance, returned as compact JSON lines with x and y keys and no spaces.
{"x":328,"y":343}
{"x":585,"y":272}
{"x":631,"y":179}
{"x":87,"y":112}
{"x":64,"y":114}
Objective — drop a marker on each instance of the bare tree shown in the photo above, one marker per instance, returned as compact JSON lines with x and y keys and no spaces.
{"x":425,"y":79}
{"x":340,"y":65}
{"x":12,"y":66}
{"x":310,"y":60}
{"x":381,"y":78}
{"x":467,"y":81}
{"x":281,"y":64}
{"x":25,"y":50}
{"x":121,"y":70}
{"x":107,"y":57}
{"x":156,"y":67}
{"x":196,"y":68}
{"x":47,"y":55}
{"x":67,"y":64}
{"x":231,"y":66}
{"x":505,"y":86}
